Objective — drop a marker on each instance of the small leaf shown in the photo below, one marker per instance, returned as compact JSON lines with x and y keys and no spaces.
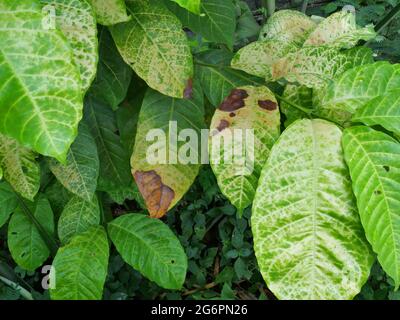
{"x":373,"y":158}
{"x":20,"y":168}
{"x":217,"y":22}
{"x":308,"y":238}
{"x":258,"y":57}
{"x":382,"y":110}
{"x":78,"y":216}
{"x":8,"y":202}
{"x":238,"y":177}
{"x":339,"y":30}
{"x":76,"y":20}
{"x":26,"y":245}
{"x":150,"y":247}
{"x":79,"y":174}
{"x":109,"y":12}
{"x":155,"y":46}
{"x":287,"y":26}
{"x":80,"y":267}
{"x":113,"y":74}
{"x":164,"y":170}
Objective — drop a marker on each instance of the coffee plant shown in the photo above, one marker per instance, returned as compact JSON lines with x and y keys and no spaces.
{"x":86,"y":87}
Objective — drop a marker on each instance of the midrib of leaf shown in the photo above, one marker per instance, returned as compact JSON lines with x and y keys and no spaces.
{"x":354,"y":138}
{"x":27,"y":94}
{"x":133,"y":14}
{"x":315,"y":202}
{"x":79,"y":173}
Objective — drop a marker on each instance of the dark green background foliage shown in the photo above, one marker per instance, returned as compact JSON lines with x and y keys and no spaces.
{"x":221,"y":261}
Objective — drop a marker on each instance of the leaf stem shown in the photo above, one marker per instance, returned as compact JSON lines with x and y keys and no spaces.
{"x":50,"y":241}
{"x":387,"y":19}
{"x":22,"y":291}
{"x":304,"y":6}
{"x":270,"y":6}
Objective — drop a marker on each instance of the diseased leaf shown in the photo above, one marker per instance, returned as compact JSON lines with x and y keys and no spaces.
{"x":165,"y":165}
{"x":75,"y":18}
{"x":258,"y":57}
{"x":77,"y":217}
{"x":315,"y":67}
{"x":354,"y":88}
{"x":287,"y":26}
{"x":79,"y":174}
{"x":190,"y":5}
{"x":339,"y":30}
{"x":41,"y":100}
{"x":80,"y":267}
{"x":299,"y":95}
{"x":383,"y":110}
{"x":109,"y":12}
{"x":217,"y":22}
{"x":155,"y":46}
{"x":149,"y":246}
{"x":8,"y":202}
{"x":114,"y":173}
{"x":218,"y":80}
{"x":20,"y":168}
{"x":308,"y":238}
{"x":254,"y":114}
{"x":373,"y":158}
{"x":26,"y":245}
{"x":113,"y":74}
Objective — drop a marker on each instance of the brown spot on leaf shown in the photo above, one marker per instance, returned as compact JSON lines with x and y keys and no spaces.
{"x":377,"y":192}
{"x":157,"y":195}
{"x":223,"y":125}
{"x":232,"y":114}
{"x":234,"y":101}
{"x":267,"y":105}
{"x":387,"y":168}
{"x":188,"y":92}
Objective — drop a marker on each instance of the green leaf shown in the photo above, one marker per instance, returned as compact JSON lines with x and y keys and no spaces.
{"x":354,"y":88}
{"x":190,"y":5}
{"x":113,"y":74}
{"x":288,"y":26}
{"x":80,"y":267}
{"x":164,"y":170}
{"x":155,"y":46}
{"x":114,"y":159}
{"x":217,"y":78}
{"x":8,"y":202}
{"x":238,"y":177}
{"x":109,"y":12}
{"x":150,"y":247}
{"x":339,"y":30}
{"x":20,"y":168}
{"x":258,"y":57}
{"x":308,"y":238}
{"x":79,"y":174}
{"x":247,"y":26}
{"x":41,"y":103}
{"x":26,"y":245}
{"x":217,"y":22}
{"x":315,"y":67}
{"x":299,"y":95}
{"x":382,"y":110}
{"x":58,"y":197}
{"x":373,"y":158}
{"x":78,"y":216}
{"x":76,"y":20}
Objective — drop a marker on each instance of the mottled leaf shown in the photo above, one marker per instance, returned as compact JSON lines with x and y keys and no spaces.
{"x":20,"y":168}
{"x":79,"y":174}
{"x":254,"y":114}
{"x":308,"y":238}
{"x":373,"y":158}
{"x":150,"y":247}
{"x":41,"y":100}
{"x":26,"y":245}
{"x":80,"y":267}
{"x":109,"y":12}
{"x":155,"y":46}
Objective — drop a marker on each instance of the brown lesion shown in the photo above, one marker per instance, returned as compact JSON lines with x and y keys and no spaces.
{"x":267,"y":105}
{"x":223,"y":124}
{"x":158,"y":196}
{"x":234,"y":101}
{"x":188,"y":92}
